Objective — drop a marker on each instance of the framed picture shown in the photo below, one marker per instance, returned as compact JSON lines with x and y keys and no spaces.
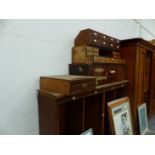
{"x":143,"y":120}
{"x":120,"y":116}
{"x":88,"y":132}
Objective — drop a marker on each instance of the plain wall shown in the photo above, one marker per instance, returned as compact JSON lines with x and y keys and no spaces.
{"x":33,"y":48}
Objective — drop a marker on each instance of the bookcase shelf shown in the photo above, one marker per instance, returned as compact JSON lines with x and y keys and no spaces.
{"x":72,"y":115}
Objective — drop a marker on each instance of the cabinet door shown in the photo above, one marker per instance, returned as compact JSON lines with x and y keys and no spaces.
{"x":139,"y":84}
{"x":140,"y":75}
{"x":152,"y":98}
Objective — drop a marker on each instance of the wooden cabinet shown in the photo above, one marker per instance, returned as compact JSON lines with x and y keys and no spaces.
{"x":139,"y":56}
{"x":94,"y":38}
{"x":72,"y":115}
{"x":152,"y":87}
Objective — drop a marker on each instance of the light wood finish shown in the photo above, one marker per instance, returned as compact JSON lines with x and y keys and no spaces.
{"x":81,"y":55}
{"x":68,"y":84}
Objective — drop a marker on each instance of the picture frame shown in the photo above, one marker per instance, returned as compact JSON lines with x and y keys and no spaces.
{"x":143,"y":119}
{"x":120,"y":117}
{"x":88,"y":132}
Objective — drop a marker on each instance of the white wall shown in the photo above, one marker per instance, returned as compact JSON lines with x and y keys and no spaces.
{"x":33,"y":48}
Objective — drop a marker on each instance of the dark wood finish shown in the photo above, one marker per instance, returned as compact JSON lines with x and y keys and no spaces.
{"x":68,"y":84}
{"x":152,"y":88}
{"x":94,"y":113}
{"x":94,"y":38}
{"x":62,"y":114}
{"x":138,"y":54}
{"x":104,"y":73}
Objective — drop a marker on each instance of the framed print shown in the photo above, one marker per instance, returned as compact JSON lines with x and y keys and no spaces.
{"x":120,"y":116}
{"x":88,"y":132}
{"x":143,"y":120}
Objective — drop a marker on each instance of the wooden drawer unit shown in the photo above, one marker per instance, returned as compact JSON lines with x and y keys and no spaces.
{"x":90,"y":55}
{"x":94,"y":38}
{"x":86,"y":55}
{"x":104,"y":73}
{"x":68,"y":84}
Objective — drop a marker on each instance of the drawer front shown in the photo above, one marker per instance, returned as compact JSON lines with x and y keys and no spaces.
{"x":92,"y":51}
{"x":104,"y":73}
{"x":77,"y":69}
{"x":99,"y":59}
{"x":98,"y":71}
{"x":82,"y":87}
{"x":115,"y":61}
{"x":117,"y":73}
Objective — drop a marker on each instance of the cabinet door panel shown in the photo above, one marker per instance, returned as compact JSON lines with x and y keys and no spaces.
{"x":152,"y":98}
{"x":140,"y":71}
{"x":139,"y":85}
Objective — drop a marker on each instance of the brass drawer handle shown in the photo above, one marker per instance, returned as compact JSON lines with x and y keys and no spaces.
{"x":112,"y":71}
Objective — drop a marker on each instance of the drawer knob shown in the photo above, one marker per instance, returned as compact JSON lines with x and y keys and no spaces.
{"x":73,"y":98}
{"x":104,"y":37}
{"x":112,"y":71}
{"x":112,"y":39}
{"x":95,"y":34}
{"x":117,"y":46}
{"x":95,"y":92}
{"x":80,"y":69}
{"x":95,"y":40}
{"x":111,"y":45}
{"x":104,"y":43}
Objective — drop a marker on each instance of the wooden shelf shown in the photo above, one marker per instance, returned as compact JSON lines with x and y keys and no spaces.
{"x":62,"y":114}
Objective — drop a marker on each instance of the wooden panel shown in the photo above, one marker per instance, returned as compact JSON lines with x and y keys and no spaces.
{"x":51,"y":117}
{"x":152,"y":98}
{"x":75,"y":117}
{"x":93,"y":113}
{"x":109,"y":96}
{"x":140,"y":75}
{"x":129,"y":53}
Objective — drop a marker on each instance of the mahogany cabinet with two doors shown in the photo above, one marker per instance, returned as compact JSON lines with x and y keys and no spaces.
{"x":140,"y":59}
